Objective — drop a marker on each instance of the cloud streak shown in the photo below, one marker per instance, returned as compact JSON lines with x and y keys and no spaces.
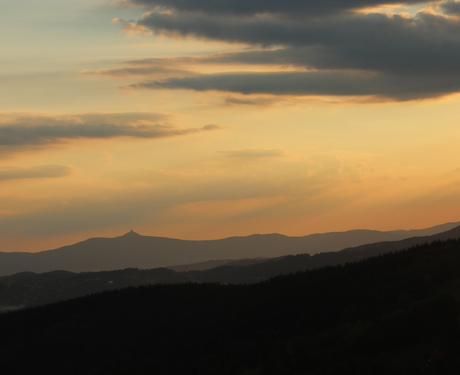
{"x":313,"y":83}
{"x":253,"y":7}
{"x":156,"y":71}
{"x":254,"y":153}
{"x":42,"y":171}
{"x":42,"y":130}
{"x":15,"y":135}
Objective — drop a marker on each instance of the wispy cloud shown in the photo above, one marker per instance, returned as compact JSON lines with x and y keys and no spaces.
{"x":132,"y":28}
{"x":91,"y":118}
{"x":320,"y":185}
{"x":14,"y":135}
{"x":42,"y":171}
{"x":255,"y":153}
{"x":250,"y":101}
{"x":149,"y":71}
{"x":27,"y":130}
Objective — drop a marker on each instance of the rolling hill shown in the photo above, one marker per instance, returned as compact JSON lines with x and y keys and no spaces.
{"x":29,"y":289}
{"x":136,"y":251}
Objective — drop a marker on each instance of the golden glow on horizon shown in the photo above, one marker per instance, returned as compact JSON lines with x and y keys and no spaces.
{"x":202,"y":164}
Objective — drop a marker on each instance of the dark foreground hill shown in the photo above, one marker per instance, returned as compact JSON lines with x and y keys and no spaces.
{"x":392,"y":314}
{"x":136,"y":251}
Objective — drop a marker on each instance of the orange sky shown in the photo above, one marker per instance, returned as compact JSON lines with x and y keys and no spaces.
{"x":210,"y":122}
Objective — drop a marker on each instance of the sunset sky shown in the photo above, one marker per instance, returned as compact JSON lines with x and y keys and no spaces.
{"x":203,"y":119}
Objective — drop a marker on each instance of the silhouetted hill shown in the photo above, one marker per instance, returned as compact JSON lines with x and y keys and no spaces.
{"x":393,"y":314}
{"x":210,"y":264}
{"x":135,"y":251}
{"x":301,"y":262}
{"x":28,"y":289}
{"x":387,"y":246}
{"x":32,"y":289}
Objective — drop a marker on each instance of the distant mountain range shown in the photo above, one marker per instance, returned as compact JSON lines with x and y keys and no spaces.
{"x":302,"y":262}
{"x":136,"y":251}
{"x":28,"y":289}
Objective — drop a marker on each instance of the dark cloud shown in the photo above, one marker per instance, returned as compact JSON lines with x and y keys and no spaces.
{"x":252,"y":7}
{"x":451,"y":7}
{"x":406,"y":57}
{"x":261,"y":30}
{"x":42,"y":171}
{"x":409,"y":58}
{"x":314,"y":83}
{"x":394,"y":59}
{"x":370,"y":31}
{"x":254,"y":153}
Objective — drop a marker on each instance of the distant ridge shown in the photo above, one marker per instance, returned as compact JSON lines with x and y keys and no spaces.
{"x":388,"y":246}
{"x":302,"y":262}
{"x":28,"y":289}
{"x":133,"y":250}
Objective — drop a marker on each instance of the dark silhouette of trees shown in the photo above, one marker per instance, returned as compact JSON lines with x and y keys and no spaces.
{"x":391,"y":314}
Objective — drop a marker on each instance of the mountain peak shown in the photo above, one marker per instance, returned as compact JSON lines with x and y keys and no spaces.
{"x":131,"y":233}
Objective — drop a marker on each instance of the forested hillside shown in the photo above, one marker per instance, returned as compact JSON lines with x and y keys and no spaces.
{"x":392,"y":314}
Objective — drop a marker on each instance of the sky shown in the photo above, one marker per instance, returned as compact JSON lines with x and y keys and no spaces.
{"x":204,"y":119}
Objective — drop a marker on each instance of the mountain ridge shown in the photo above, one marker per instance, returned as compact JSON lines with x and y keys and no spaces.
{"x":28,"y":289}
{"x":132,"y":250}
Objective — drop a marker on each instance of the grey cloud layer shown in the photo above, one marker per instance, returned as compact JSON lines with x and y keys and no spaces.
{"x":314,"y":83}
{"x":451,"y":7}
{"x":359,"y":33}
{"x":262,"y":30}
{"x":407,"y":57}
{"x":252,"y":7}
{"x":42,"y":171}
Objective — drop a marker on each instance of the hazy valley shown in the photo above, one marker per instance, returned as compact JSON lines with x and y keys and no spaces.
{"x":32,"y":288}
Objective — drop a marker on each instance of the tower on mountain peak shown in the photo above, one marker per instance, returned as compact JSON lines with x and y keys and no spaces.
{"x":131,"y":233}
